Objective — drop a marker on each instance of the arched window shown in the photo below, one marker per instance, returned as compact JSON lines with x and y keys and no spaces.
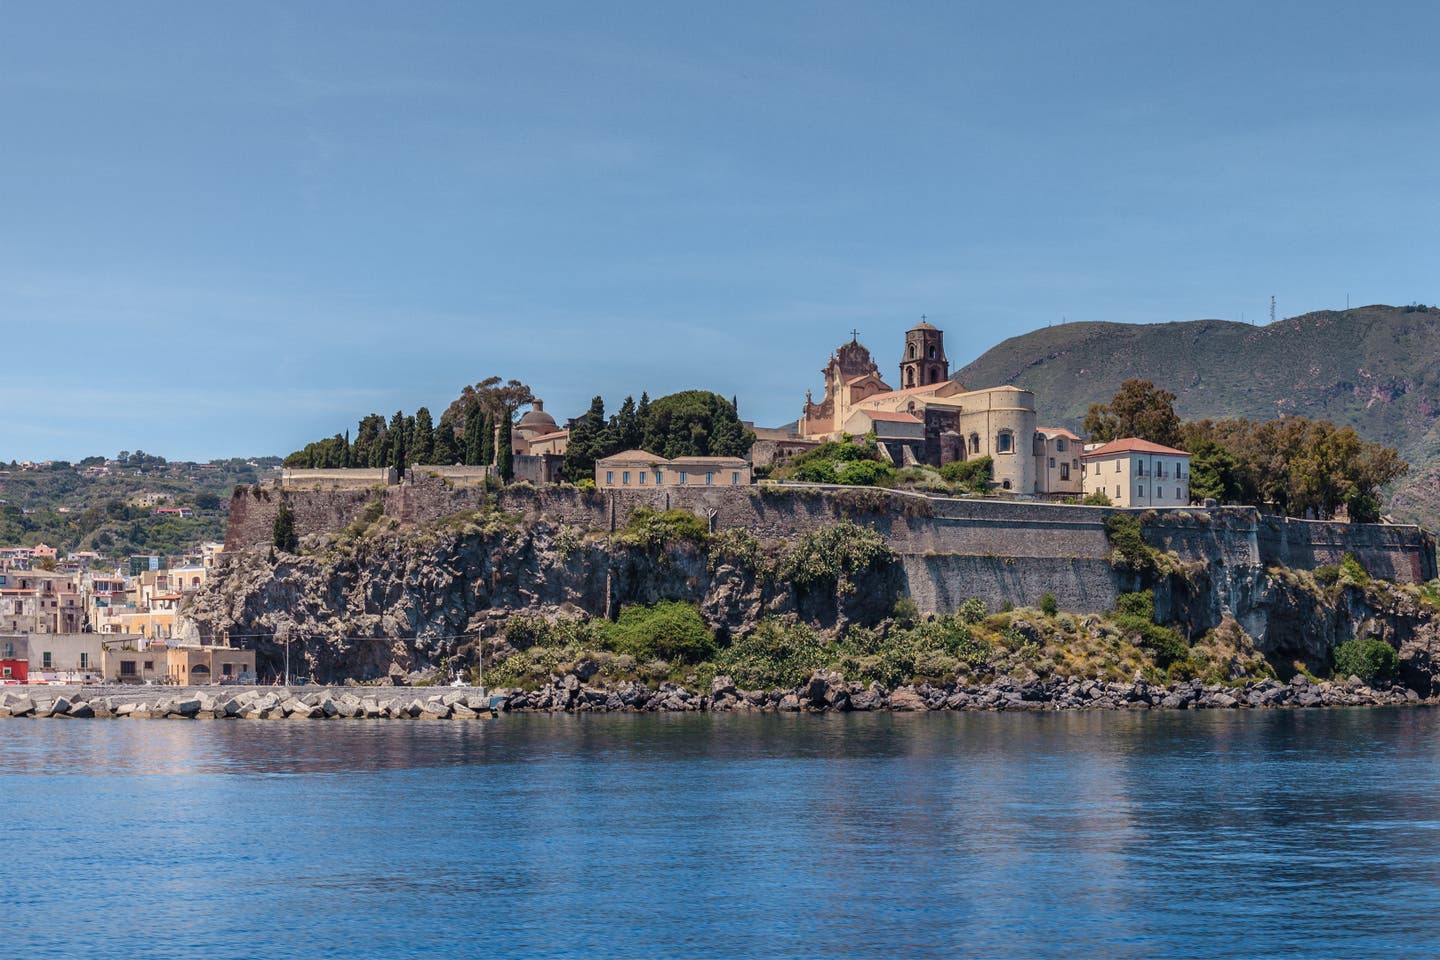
{"x":1005,"y":442}
{"x":912,"y":351}
{"x":934,"y":374}
{"x":1005,"y":484}
{"x":910,"y":408}
{"x":910,"y":377}
{"x":932,"y":351}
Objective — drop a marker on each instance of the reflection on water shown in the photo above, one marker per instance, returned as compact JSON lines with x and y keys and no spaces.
{"x":1218,"y":834}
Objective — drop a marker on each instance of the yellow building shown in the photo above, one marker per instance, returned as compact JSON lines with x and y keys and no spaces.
{"x":639,"y":470}
{"x":1138,"y":473}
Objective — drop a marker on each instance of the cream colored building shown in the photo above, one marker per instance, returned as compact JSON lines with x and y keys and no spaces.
{"x":639,"y":470}
{"x":134,"y":662}
{"x":957,"y":424}
{"x":1138,"y":473}
{"x":1057,"y":462}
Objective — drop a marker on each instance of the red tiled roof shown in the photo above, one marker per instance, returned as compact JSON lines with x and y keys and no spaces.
{"x":633,"y":456}
{"x":1058,"y":432}
{"x":550,"y":436}
{"x":1132,"y":445}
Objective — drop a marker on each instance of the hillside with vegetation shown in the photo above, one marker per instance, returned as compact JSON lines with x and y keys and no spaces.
{"x":1372,"y":368}
{"x":110,"y":506}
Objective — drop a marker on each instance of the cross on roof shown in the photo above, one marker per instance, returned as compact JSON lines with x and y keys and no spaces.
{"x":923,"y":318}
{"x":855,"y":335}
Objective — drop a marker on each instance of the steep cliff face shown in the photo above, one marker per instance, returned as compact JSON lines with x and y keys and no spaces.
{"x":403,"y":601}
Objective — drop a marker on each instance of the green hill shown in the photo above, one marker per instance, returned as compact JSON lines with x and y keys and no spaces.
{"x":1375,"y":368}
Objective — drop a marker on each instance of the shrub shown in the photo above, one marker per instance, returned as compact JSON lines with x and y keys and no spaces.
{"x":905,"y":612}
{"x":1134,"y":615}
{"x":1370,"y":659}
{"x":1352,"y":572}
{"x":833,"y":557}
{"x":654,"y":530}
{"x":1049,"y":605}
{"x":973,"y":610}
{"x":1096,"y":499}
{"x":864,"y":473}
{"x":1129,"y":551}
{"x":774,"y":654}
{"x":973,"y":475}
{"x":668,"y":630}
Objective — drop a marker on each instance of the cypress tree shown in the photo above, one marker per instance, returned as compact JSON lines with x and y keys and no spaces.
{"x":445,"y":452}
{"x":284,"y":537}
{"x":347,"y":448}
{"x":487,"y":440}
{"x":504,"y":457}
{"x":473,"y":442}
{"x":422,"y":444}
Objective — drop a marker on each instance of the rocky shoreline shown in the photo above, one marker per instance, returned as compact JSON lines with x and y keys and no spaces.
{"x":824,"y":692}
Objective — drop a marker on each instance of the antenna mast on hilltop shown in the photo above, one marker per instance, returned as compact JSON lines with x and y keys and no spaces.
{"x":1272,"y":308}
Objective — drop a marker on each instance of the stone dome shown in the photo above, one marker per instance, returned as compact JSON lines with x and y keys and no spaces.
{"x":536,"y":421}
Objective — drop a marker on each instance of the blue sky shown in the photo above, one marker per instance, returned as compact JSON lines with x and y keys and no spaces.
{"x":228,"y":229}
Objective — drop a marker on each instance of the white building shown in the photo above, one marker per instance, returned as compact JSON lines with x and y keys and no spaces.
{"x":1138,"y":473}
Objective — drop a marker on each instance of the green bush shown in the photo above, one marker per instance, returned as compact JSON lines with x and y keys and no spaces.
{"x":973,"y":475}
{"x":864,"y":473}
{"x":973,"y":610}
{"x":1129,"y":551}
{"x":774,"y":654}
{"x":833,"y":557}
{"x":668,"y":630}
{"x":1134,"y":615}
{"x":655,"y":530}
{"x":1352,"y":572}
{"x":1049,"y":605}
{"x":906,"y":613}
{"x":1370,"y":659}
{"x":1097,"y":498}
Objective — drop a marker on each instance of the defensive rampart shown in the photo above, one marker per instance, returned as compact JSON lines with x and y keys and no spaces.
{"x":951,"y":549}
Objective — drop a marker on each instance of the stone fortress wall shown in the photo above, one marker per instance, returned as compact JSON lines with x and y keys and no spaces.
{"x":951,"y":549}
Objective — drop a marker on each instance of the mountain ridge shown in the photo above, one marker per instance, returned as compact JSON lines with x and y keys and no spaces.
{"x":1373,"y":368}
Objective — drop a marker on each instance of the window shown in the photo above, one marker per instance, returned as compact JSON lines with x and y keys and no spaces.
{"x":5,"y":673}
{"x":624,"y":476}
{"x":1064,"y":471}
{"x":1117,"y":466}
{"x":1052,"y":463}
{"x":127,"y":668}
{"x":1004,"y":442}
{"x":1060,"y":445}
{"x":609,"y":476}
{"x":974,"y":443}
{"x":1117,"y":493}
{"x":1005,"y":484}
{"x":1139,"y":468}
{"x":659,"y":477}
{"x":227,"y":669}
{"x":735,"y":478}
{"x":1140,"y":492}
{"x":45,"y":660}
{"x":709,"y":476}
{"x":683,"y":477}
{"x":9,"y":651}
{"x":932,"y":351}
{"x":84,"y":660}
{"x":149,"y":665}
{"x":643,"y":475}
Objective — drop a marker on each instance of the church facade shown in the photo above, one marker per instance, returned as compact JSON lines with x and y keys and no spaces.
{"x":931,"y":419}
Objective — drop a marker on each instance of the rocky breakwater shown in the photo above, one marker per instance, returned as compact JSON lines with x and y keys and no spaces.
{"x":826,"y":692}
{"x":267,"y":703}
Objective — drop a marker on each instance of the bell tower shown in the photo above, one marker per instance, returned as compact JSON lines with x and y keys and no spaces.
{"x":924,"y":362}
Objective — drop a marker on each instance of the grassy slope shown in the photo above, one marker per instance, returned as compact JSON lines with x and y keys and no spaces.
{"x":1374,"y":368}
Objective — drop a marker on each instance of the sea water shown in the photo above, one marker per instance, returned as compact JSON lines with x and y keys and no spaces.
{"x":1215,"y":834}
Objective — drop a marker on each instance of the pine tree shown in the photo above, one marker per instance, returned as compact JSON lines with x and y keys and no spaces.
{"x":423,"y":442}
{"x":626,"y":426}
